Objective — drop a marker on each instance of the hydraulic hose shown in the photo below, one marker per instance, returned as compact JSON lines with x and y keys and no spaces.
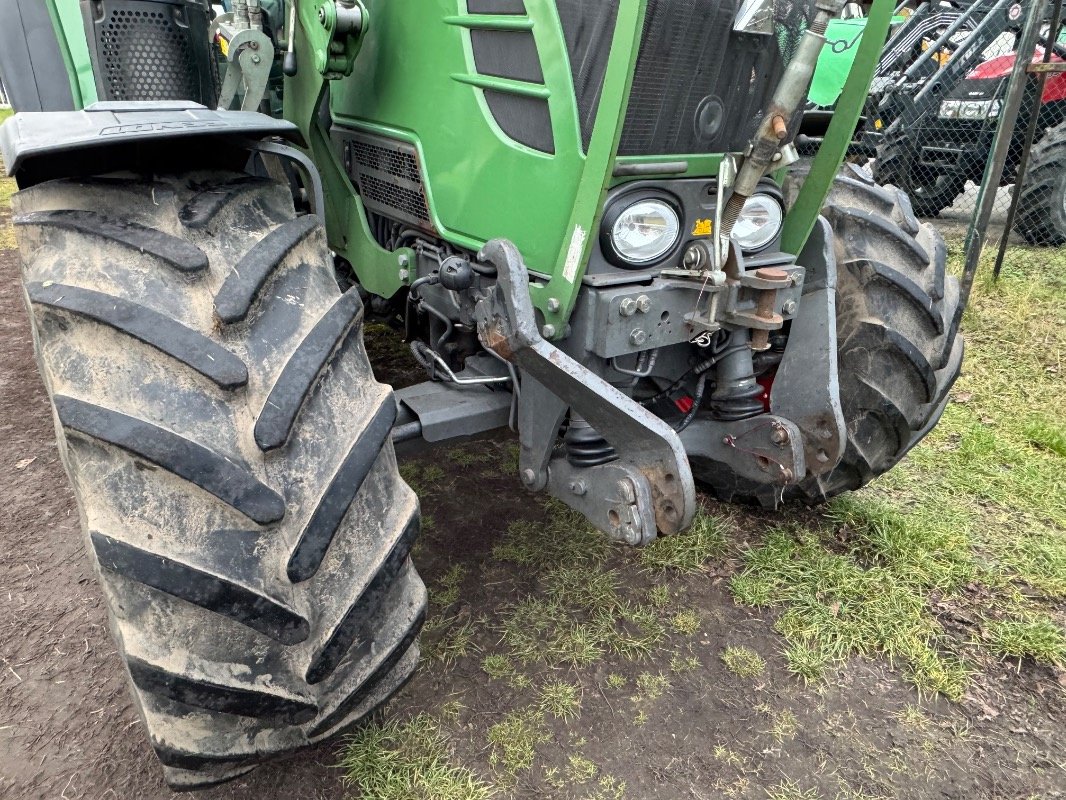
{"x":764,"y":150}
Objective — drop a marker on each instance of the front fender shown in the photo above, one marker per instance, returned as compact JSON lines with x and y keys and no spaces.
{"x":50,"y":144}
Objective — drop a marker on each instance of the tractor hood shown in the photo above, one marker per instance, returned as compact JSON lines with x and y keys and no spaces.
{"x":988,"y":80}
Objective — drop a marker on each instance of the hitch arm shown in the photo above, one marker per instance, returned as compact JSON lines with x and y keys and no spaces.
{"x":648,"y":487}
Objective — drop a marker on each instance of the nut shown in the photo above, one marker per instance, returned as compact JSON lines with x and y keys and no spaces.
{"x":578,"y":487}
{"x":528,"y":477}
{"x":638,"y":337}
{"x":553,"y":304}
{"x":628,"y":307}
{"x":789,"y":307}
{"x":779,"y":436}
{"x":548,"y":331}
{"x":643,"y":304}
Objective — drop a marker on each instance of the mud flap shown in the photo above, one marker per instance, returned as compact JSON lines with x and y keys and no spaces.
{"x":648,"y":487}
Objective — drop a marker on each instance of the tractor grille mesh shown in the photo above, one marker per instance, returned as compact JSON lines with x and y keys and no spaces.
{"x":699,"y":86}
{"x":388,"y":177}
{"x":146,"y":55}
{"x":396,"y":163}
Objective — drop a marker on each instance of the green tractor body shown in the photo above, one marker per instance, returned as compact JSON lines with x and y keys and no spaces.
{"x":589,"y":221}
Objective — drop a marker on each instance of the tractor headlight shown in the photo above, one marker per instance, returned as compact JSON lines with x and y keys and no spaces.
{"x":643,"y":231}
{"x":759,"y":222}
{"x":949,"y":109}
{"x":970,"y":109}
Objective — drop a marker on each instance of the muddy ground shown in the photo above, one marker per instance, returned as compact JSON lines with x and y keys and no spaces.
{"x":68,"y":729}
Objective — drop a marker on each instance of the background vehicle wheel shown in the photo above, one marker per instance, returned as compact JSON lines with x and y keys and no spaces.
{"x":229,"y":449}
{"x":894,"y":308}
{"x":930,"y":191}
{"x":1041,"y":216}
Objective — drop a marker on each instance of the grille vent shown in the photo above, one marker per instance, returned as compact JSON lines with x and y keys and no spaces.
{"x":152,"y":50}
{"x":388,"y":176}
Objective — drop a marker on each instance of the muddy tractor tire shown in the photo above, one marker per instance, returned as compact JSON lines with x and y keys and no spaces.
{"x":1041,"y":219}
{"x":930,"y":192}
{"x":230,"y":453}
{"x":897,"y":358}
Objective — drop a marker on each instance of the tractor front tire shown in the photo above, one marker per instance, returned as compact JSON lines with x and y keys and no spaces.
{"x":897,"y":354}
{"x":230,"y":453}
{"x":1041,"y":219}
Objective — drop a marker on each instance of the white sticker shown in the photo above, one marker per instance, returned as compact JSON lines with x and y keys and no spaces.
{"x":573,"y":255}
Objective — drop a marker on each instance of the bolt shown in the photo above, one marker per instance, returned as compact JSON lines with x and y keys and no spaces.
{"x":638,"y":337}
{"x":789,"y":307}
{"x":779,"y":436}
{"x":553,"y":304}
{"x":643,"y":304}
{"x":529,"y":477}
{"x":628,"y":307}
{"x":403,"y":260}
{"x":578,"y":487}
{"x":405,"y":274}
{"x":322,"y":14}
{"x":256,"y":59}
{"x":780,"y":127}
{"x":548,"y":331}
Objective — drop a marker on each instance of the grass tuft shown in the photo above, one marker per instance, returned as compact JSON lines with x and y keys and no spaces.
{"x":514,"y":740}
{"x":686,"y":622}
{"x":560,"y":699}
{"x":687,"y":552}
{"x":405,"y":760}
{"x":743,"y":661}
{"x":1046,"y":435}
{"x":1036,"y":637}
{"x":497,"y":666}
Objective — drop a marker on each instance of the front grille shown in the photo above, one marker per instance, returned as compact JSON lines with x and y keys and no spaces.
{"x":699,"y":86}
{"x":387,"y":175}
{"x":152,"y":50}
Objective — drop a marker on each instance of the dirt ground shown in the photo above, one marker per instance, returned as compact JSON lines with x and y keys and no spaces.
{"x":678,"y":723}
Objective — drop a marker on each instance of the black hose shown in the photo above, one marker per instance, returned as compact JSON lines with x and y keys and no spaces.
{"x":696,"y":400}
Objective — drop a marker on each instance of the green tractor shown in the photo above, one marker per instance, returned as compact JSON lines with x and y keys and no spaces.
{"x":588,"y":221}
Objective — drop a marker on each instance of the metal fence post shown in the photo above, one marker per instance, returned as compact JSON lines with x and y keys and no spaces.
{"x":986,"y":197}
{"x":1030,"y":135}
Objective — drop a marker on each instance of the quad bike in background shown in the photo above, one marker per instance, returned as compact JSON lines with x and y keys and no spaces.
{"x":586,"y":217}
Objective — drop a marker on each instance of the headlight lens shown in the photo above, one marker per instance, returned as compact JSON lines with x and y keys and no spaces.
{"x":645,"y":231}
{"x":970,"y":109}
{"x":759,"y":222}
{"x":949,"y":109}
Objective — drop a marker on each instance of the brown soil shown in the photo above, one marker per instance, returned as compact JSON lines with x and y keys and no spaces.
{"x":68,"y":729}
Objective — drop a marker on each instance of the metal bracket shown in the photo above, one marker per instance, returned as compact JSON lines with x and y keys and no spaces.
{"x":250,"y":55}
{"x":807,"y":387}
{"x":649,"y":453}
{"x":765,"y":449}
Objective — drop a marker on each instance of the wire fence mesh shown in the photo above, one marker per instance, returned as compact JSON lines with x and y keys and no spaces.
{"x":953,"y":77}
